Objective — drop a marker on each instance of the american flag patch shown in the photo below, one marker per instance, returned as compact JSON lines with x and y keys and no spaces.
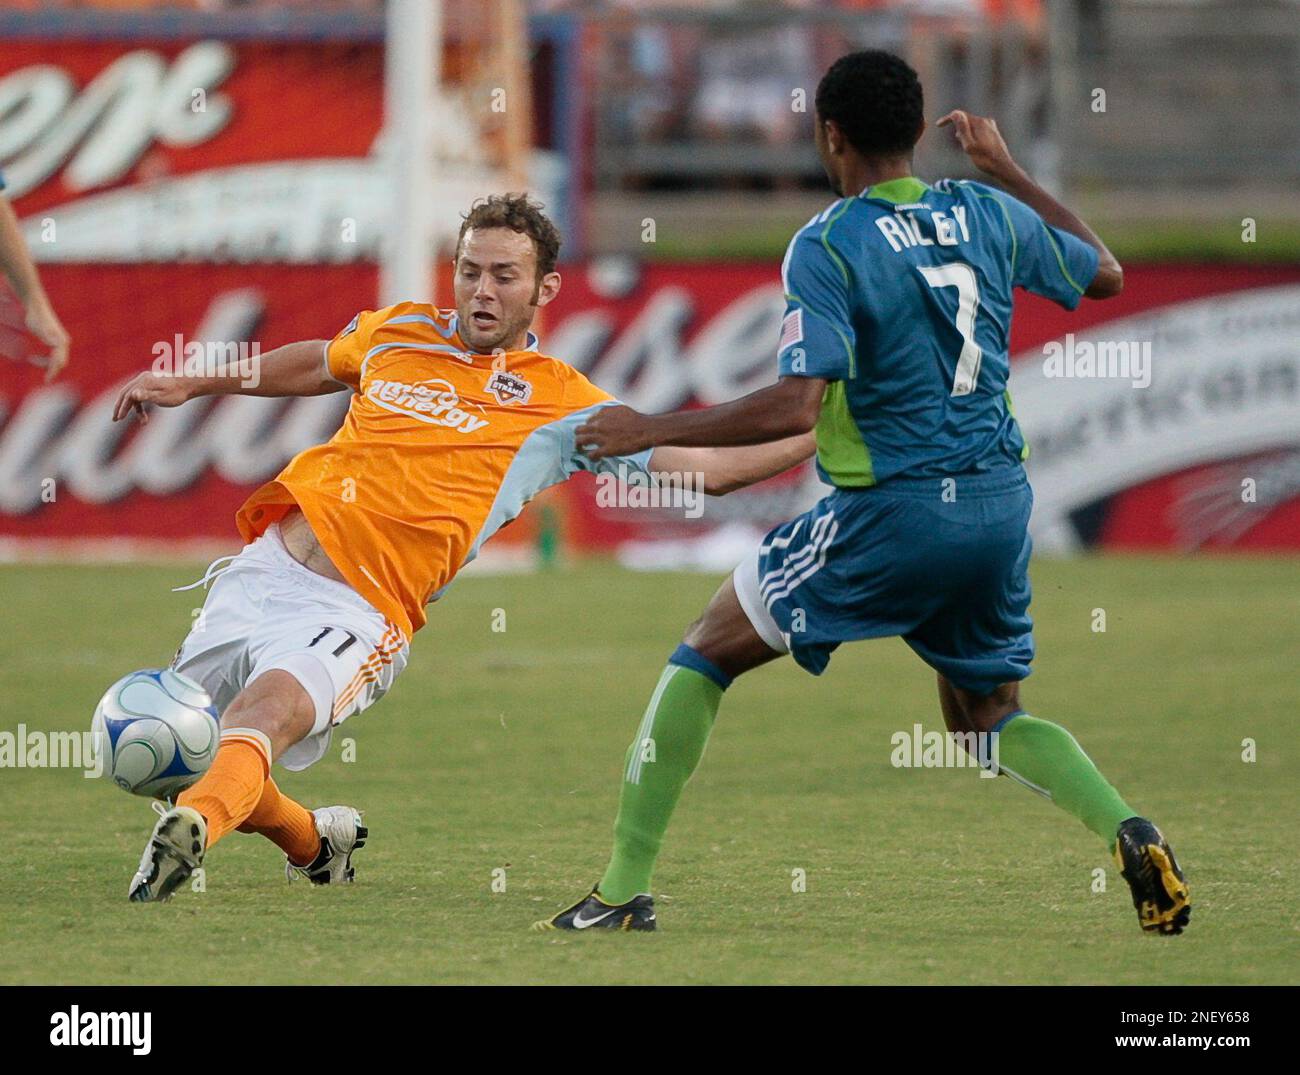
{"x":791,"y":329}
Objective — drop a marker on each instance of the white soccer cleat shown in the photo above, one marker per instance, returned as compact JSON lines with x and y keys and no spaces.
{"x":174,"y":851}
{"x":341,"y":833}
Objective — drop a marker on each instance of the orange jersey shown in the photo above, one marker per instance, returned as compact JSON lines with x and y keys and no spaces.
{"x":441,"y":447}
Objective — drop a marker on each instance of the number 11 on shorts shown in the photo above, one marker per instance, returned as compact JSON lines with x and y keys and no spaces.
{"x":342,"y":646}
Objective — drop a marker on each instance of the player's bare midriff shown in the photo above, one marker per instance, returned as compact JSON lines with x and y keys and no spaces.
{"x":303,"y":546}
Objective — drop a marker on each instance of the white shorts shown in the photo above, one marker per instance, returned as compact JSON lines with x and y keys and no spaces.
{"x":267,"y":611}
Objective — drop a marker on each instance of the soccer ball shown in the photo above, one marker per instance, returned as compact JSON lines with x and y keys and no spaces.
{"x":157,"y":732}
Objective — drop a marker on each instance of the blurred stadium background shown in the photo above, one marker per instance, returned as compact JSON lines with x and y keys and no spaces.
{"x":259,"y":171}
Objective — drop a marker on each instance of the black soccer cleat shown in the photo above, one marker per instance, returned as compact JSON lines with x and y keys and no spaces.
{"x":1159,"y":889}
{"x":591,"y":912}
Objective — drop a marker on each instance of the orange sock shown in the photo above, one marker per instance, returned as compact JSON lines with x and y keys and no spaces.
{"x":287,"y":824}
{"x":231,"y":788}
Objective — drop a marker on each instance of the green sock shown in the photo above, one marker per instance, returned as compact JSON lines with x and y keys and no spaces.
{"x":1049,"y":760}
{"x":668,"y":746}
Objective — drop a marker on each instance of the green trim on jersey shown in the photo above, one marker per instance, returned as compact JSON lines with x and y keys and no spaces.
{"x":1060,"y":258}
{"x":901,"y":191}
{"x":830,"y":223}
{"x":841,"y":451}
{"x":1006,"y":215}
{"x":1015,"y":246}
{"x":824,"y":238}
{"x":1011,"y":410}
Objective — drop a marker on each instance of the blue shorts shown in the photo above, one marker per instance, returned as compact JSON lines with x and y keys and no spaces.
{"x":948,"y":573}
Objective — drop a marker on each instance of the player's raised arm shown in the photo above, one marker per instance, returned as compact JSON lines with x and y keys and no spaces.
{"x":981,"y":140}
{"x":296,"y":369}
{"x":727,"y":469}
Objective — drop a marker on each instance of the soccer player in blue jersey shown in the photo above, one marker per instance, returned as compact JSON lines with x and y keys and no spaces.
{"x":893,"y":351}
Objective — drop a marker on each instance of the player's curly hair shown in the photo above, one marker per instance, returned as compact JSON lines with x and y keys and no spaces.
{"x":875,"y":98}
{"x":519,"y":213}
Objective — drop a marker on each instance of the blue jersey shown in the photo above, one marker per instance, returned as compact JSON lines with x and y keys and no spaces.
{"x":901,"y":298}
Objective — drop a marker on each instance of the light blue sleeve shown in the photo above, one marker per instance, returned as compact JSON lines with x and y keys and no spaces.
{"x":547,"y":457}
{"x":1046,"y":260}
{"x":614,"y":464}
{"x":817,"y":337}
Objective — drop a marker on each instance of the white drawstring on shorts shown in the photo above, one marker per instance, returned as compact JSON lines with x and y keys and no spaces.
{"x":209,"y":575}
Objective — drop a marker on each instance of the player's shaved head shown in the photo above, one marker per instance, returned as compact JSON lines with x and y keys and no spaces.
{"x":875,"y":99}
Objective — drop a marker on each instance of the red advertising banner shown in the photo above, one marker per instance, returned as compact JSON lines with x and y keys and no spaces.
{"x":658,"y":337}
{"x":100,"y":116}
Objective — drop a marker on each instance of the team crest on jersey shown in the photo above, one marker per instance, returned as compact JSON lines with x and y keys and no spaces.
{"x":509,"y":388}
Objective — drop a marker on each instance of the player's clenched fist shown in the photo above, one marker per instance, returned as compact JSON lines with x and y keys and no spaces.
{"x":155,"y":388}
{"x":981,"y":140}
{"x":613,"y":431}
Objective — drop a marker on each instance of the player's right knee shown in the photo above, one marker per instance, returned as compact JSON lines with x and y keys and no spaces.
{"x":984,"y":712}
{"x":276,"y":705}
{"x":731,"y":644}
{"x":969,"y":711}
{"x":697,"y":637}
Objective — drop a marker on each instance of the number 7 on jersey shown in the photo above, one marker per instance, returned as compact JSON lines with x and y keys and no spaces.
{"x":961,"y":276}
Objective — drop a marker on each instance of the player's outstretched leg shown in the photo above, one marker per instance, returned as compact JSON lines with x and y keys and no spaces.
{"x":1046,"y":758}
{"x":265,"y":719}
{"x":668,"y":746}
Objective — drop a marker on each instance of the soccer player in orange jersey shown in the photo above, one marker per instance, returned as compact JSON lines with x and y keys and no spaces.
{"x":456,"y":422}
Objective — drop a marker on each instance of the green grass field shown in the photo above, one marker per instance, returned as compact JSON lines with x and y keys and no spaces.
{"x":503,"y":751}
